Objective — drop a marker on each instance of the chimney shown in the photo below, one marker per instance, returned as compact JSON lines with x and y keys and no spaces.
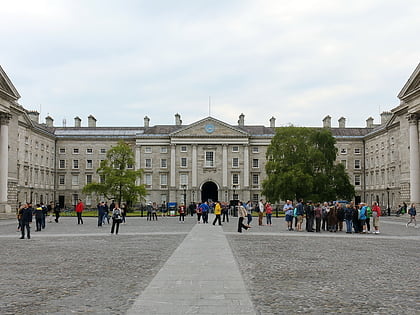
{"x":77,"y":122}
{"x":91,"y":121}
{"x":327,"y":121}
{"x":33,"y":115}
{"x":49,"y":121}
{"x":146,"y":121}
{"x":385,"y":117}
{"x":272,"y":122}
{"x":342,"y":123}
{"x":241,"y":121}
{"x":178,"y":120}
{"x":369,"y":122}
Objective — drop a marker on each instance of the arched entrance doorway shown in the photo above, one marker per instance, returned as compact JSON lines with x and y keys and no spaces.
{"x":209,"y":192}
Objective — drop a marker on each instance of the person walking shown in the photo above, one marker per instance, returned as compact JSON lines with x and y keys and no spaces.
{"x":79,"y":210}
{"x":205,"y":212}
{"x":26,"y":220}
{"x":199,"y":213}
{"x":249,"y":208}
{"x":57,"y":212}
{"x":268,"y":213}
{"x":116,"y":219}
{"x":123,"y":212}
{"x":218,"y":213}
{"x":241,"y":214}
{"x":412,"y":212}
{"x":376,"y":213}
{"x":149,"y":209}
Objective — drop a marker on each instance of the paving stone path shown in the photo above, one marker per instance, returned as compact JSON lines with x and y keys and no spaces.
{"x":70,"y":269}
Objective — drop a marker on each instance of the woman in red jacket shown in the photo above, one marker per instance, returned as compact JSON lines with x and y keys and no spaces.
{"x":79,"y":209}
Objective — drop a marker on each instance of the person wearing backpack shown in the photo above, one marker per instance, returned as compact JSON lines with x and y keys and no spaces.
{"x":116,"y":219}
{"x":368,"y":216}
{"x":362,"y":217}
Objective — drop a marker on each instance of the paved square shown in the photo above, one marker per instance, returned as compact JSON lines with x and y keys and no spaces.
{"x":69,"y":269}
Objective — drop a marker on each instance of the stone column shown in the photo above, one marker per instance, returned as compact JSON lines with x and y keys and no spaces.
{"x":4,"y":161}
{"x":138,"y":161}
{"x":173,"y":165}
{"x":194,"y":166}
{"x":246,"y":166}
{"x":224,"y":166}
{"x":414,"y":158}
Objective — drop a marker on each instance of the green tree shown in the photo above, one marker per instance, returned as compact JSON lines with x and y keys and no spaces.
{"x":300,"y":164}
{"x":118,"y":177}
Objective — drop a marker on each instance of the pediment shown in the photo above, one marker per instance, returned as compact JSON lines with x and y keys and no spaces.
{"x":412,"y":87}
{"x":209,"y":127}
{"x":6,"y":87}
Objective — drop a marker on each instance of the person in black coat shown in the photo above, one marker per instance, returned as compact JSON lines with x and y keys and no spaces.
{"x":26,"y":219}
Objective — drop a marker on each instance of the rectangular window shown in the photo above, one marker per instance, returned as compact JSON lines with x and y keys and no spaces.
{"x":163,"y":163}
{"x":209,"y":159}
{"x":163,"y":150}
{"x":75,"y":180}
{"x":76,"y":164}
{"x":148,"y":163}
{"x":163,"y":179}
{"x":235,"y":179}
{"x":88,"y":179}
{"x":89,"y":164}
{"x":102,"y":151}
{"x":255,"y":150}
{"x":76,"y":151}
{"x":344,"y":162}
{"x":357,"y":164}
{"x":89,"y":151}
{"x":183,"y":179}
{"x":343,"y":151}
{"x":61,"y":179}
{"x":148,"y":150}
{"x":235,"y":162}
{"x":62,"y":164}
{"x":130,"y":166}
{"x":357,"y":151}
{"x":184,"y":162}
{"x":148,"y":179}
{"x":357,"y":180}
{"x":255,"y":179}
{"x":235,"y":148}
{"x":184,"y":148}
{"x":255,"y":163}
{"x":62,"y":151}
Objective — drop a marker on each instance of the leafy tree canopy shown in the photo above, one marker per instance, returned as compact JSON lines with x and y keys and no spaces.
{"x":301,"y":164}
{"x":118,"y":176}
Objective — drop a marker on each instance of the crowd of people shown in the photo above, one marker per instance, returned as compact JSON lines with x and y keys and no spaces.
{"x":303,"y":216}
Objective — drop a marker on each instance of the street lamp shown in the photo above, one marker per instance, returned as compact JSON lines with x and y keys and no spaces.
{"x":184,"y":187}
{"x":193,"y":193}
{"x":388,"y":207}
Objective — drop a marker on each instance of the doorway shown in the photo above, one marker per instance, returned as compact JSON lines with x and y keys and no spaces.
{"x":209,"y":192}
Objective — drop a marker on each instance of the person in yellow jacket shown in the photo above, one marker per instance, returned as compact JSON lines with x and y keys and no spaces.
{"x":217,"y":212}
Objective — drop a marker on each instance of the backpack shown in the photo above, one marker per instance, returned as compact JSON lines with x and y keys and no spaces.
{"x":116,"y":215}
{"x":368,"y":212}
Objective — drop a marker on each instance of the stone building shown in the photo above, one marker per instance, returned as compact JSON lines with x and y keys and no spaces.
{"x":206,"y":159}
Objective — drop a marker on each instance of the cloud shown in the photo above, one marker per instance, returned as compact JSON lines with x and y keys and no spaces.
{"x":297,"y":61}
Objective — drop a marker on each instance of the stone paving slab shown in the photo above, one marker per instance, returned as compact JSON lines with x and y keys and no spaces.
{"x":201,"y":277}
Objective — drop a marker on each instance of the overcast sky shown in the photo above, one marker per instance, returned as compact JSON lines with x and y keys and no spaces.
{"x":295,"y":60}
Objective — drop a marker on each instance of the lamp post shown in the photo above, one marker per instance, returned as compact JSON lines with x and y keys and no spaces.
{"x":184,"y":187}
{"x":193,"y":194}
{"x":235,"y":207}
{"x":388,"y":207}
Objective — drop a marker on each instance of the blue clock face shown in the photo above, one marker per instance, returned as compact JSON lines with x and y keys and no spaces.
{"x":209,"y":128}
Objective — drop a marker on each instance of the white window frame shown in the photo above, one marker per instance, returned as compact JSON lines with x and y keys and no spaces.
{"x":235,"y":148}
{"x":257,"y":163}
{"x":89,"y":178}
{"x":255,"y":150}
{"x":343,"y":151}
{"x":148,"y":150}
{"x":89,"y":151}
{"x":183,"y":179}
{"x":344,"y":162}
{"x":148,"y":179}
{"x":89,"y":165}
{"x":75,"y":180}
{"x":357,"y":164}
{"x":255,"y":179}
{"x":62,"y":151}
{"x":184,"y":148}
{"x":186,"y":162}
{"x":147,"y":164}
{"x":75,"y":164}
{"x":76,"y":151}
{"x":163,"y":179}
{"x":102,"y":151}
{"x":163,"y":150}
{"x":357,"y":151}
{"x":209,"y":162}
{"x":357,"y":180}
{"x":60,"y":162}
{"x":235,"y":162}
{"x":163,"y":163}
{"x":61,"y":180}
{"x":235,"y":179}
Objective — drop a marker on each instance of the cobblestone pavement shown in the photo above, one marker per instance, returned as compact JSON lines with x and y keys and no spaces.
{"x":70,"y":268}
{"x":318,"y":273}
